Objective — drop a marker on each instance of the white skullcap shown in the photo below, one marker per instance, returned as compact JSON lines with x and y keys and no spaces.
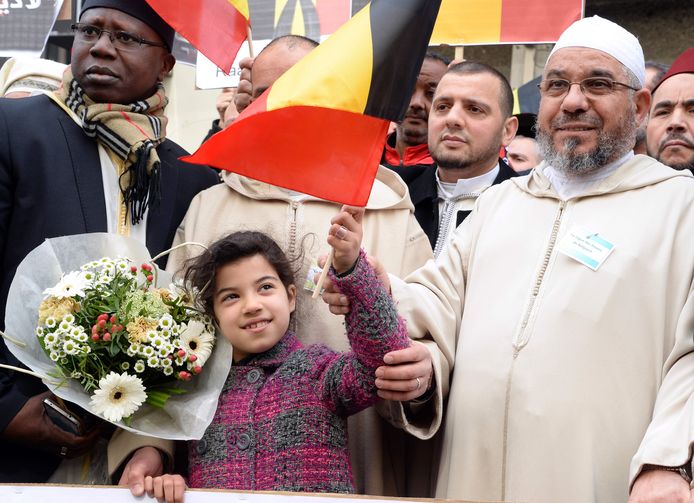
{"x":599,"y":33}
{"x":30,"y":74}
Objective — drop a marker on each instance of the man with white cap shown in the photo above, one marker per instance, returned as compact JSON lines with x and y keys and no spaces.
{"x":671,"y":125}
{"x":574,"y":360}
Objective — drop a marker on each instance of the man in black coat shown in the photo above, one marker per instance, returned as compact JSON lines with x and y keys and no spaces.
{"x":92,"y":158}
{"x":470,"y":119}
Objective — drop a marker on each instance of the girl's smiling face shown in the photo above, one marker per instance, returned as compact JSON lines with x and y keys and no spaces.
{"x":251,"y":305}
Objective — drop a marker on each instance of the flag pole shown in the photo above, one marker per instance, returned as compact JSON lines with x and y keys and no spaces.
{"x":323,"y":275}
{"x":249,"y":37}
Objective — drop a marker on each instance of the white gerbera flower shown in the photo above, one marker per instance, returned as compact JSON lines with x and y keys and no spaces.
{"x":70,"y":285}
{"x":197,"y":341}
{"x":118,"y":396}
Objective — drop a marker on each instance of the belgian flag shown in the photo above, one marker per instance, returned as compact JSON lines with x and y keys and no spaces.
{"x":217,"y":28}
{"x":320,"y":129}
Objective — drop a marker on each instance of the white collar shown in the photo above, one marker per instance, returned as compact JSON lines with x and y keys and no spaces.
{"x":568,"y":186}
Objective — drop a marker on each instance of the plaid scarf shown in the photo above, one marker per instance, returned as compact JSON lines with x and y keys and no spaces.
{"x":132,"y":132}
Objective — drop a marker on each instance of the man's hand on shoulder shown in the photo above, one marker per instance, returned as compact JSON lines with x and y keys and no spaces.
{"x":661,"y":486}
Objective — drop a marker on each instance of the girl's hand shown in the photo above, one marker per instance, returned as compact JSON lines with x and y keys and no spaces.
{"x":345,"y":237}
{"x":168,"y":488}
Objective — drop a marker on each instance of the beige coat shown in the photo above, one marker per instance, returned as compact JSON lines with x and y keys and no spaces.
{"x":563,"y":375}
{"x":391,"y":233}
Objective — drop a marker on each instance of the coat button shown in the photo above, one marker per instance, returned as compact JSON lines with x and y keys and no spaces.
{"x":243,"y":442}
{"x":201,"y":448}
{"x":253,"y":376}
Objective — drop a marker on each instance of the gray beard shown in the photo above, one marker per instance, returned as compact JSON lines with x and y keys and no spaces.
{"x":609,"y":148}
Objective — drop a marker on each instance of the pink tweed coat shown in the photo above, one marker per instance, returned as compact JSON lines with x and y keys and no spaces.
{"x":281,"y":418}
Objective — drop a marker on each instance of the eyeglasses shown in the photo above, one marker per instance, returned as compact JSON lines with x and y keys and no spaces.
{"x":593,"y":87}
{"x":121,"y":40}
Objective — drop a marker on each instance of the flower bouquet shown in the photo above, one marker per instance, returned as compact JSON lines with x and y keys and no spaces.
{"x":89,"y":314}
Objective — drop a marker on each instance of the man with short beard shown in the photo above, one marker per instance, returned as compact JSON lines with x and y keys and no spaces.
{"x":671,"y":126}
{"x":470,"y":119}
{"x":565,"y":303}
{"x":406,"y":148}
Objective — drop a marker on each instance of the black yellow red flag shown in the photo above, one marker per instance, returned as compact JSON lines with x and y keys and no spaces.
{"x":321,"y":127}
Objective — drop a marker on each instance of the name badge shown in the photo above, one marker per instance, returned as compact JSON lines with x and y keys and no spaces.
{"x":588,"y":248}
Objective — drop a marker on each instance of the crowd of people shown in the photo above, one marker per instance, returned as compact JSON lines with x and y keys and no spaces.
{"x":510,"y":317}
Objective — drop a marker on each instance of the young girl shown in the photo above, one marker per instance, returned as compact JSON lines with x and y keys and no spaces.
{"x":281,"y":417}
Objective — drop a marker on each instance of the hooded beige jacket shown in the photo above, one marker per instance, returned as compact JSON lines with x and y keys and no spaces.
{"x":391,"y":233}
{"x":562,"y":376}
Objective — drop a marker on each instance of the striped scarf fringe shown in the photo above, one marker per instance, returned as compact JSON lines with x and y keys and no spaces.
{"x":132,"y":132}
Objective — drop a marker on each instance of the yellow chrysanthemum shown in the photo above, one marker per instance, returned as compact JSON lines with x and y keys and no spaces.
{"x":138,"y":328}
{"x":57,"y":308}
{"x":163,"y":293}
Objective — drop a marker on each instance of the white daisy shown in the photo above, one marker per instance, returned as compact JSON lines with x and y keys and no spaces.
{"x":166,"y":321}
{"x":163,"y":352}
{"x":118,"y":396}
{"x":197,"y":341}
{"x":50,"y":322}
{"x":70,"y":285}
{"x":39,"y":331}
{"x":153,"y":362}
{"x":54,"y":356}
{"x":125,"y":365}
{"x":139,"y":366}
{"x":50,"y":339}
{"x":165,"y":362}
{"x":168,"y":371}
{"x":70,"y":348}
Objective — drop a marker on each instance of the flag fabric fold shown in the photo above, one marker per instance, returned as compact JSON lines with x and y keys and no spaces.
{"x":217,"y":28}
{"x":321,"y":127}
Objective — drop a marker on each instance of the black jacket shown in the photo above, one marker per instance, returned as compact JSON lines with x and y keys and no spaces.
{"x":50,"y":185}
{"x":424,"y":194}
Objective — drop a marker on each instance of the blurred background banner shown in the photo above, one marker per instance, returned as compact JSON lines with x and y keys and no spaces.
{"x":25,"y":25}
{"x":466,"y":22}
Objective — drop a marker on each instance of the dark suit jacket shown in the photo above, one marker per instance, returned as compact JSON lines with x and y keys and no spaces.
{"x":421,"y":180}
{"x":50,"y":185}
